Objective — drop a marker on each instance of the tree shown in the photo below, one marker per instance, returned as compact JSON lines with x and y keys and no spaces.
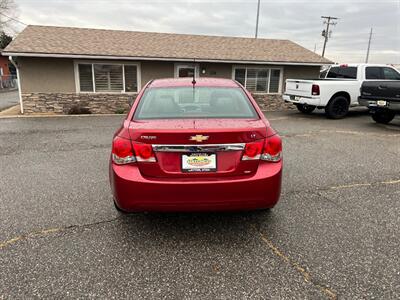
{"x":5,"y":39}
{"x":8,"y":11}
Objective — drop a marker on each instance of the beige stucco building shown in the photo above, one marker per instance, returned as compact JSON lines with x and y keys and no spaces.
{"x":73,"y":70}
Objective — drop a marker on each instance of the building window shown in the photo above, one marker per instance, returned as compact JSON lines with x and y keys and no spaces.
{"x":85,"y":78}
{"x":103,"y":78}
{"x":259,"y":80}
{"x":186,"y":70}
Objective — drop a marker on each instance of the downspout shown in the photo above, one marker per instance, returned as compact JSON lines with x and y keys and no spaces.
{"x":19,"y":84}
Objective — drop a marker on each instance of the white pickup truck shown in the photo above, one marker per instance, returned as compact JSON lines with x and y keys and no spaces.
{"x":337,"y":89}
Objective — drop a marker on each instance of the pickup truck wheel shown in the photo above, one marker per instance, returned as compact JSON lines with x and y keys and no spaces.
{"x":337,"y":108}
{"x":383,"y":116}
{"x":305,"y":109}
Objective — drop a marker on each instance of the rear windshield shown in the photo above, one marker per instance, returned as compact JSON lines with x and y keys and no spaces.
{"x":342,"y":72}
{"x":199,"y":102}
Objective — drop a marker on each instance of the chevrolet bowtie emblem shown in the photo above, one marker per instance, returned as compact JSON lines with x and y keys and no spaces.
{"x":199,"y":138}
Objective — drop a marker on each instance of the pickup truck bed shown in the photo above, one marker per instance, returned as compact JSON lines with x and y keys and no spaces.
{"x":382,"y":98}
{"x":338,"y":88}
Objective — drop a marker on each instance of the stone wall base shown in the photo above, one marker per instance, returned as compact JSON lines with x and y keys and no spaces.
{"x":62,"y":103}
{"x":272,"y":102}
{"x":76,"y":103}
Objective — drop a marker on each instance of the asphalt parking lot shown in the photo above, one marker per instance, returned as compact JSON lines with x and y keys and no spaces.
{"x":334,"y":234}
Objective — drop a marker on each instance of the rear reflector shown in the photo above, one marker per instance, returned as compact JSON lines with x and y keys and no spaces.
{"x":315,"y":90}
{"x":272,"y":149}
{"x":122,"y":152}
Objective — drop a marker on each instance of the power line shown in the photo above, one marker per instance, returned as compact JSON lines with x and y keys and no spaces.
{"x":326,"y":33}
{"x":14,"y":19}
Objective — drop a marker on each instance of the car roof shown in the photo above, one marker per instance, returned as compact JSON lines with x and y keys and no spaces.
{"x":187,"y":82}
{"x":362,"y":65}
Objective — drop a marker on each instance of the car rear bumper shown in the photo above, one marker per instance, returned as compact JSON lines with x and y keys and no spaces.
{"x":133,"y":192}
{"x":315,"y":101}
{"x":373,"y":104}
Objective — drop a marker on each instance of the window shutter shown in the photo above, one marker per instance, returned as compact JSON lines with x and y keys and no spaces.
{"x":108,"y":78}
{"x":262,"y":80}
{"x":251,"y":82}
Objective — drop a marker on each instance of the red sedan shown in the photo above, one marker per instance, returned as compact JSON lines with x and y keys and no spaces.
{"x":199,"y":145}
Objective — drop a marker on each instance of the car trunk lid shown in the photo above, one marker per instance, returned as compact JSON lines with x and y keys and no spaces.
{"x":176,"y":142}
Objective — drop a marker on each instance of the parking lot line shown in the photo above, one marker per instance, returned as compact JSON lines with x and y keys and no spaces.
{"x":44,"y":232}
{"x":294,"y":264}
{"x":395,"y":181}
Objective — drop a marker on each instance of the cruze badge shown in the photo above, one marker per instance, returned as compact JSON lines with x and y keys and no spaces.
{"x":148,"y":137}
{"x":199,"y":138}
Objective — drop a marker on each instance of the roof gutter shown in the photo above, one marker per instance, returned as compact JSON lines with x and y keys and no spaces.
{"x":21,"y":105}
{"x":111,"y":57}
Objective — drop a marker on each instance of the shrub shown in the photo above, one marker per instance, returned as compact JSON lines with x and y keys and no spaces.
{"x":79,"y":110}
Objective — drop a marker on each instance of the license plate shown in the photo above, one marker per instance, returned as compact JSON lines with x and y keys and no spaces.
{"x":295,"y":98}
{"x":381,"y":103}
{"x":199,"y":162}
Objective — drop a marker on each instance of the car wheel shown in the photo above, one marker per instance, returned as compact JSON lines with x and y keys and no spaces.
{"x":337,"y":108}
{"x":383,"y":116}
{"x":305,"y":109}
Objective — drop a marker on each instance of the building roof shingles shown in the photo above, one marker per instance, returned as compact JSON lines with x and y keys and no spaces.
{"x":98,"y":42}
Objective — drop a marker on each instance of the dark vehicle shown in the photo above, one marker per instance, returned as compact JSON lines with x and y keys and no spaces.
{"x":382,"y":98}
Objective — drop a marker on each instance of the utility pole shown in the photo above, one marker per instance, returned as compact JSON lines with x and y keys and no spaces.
{"x":315,"y":48}
{"x":258,"y":15}
{"x":369,"y":45}
{"x":326,"y":33}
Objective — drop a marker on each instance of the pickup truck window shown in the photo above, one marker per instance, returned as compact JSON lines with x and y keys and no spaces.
{"x":381,"y":73}
{"x":389,"y":73}
{"x":342,"y":72}
{"x":373,"y":73}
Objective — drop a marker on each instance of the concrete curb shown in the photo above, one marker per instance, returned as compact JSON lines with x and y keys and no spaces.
{"x":59,"y":116}
{"x":84,"y":115}
{"x":3,"y":91}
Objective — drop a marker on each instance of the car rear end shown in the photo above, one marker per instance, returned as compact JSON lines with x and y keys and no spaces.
{"x":195,"y":148}
{"x":377,"y":94}
{"x":302,"y":92}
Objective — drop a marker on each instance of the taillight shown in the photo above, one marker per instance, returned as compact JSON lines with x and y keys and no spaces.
{"x":315,"y":90}
{"x":122,"y":152}
{"x":252,"y":151}
{"x":272,"y":149}
{"x":144,"y":152}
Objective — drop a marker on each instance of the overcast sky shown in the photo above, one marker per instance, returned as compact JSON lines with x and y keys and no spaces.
{"x":299,"y":21}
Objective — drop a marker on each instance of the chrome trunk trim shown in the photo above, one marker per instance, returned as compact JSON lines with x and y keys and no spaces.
{"x":199,"y":148}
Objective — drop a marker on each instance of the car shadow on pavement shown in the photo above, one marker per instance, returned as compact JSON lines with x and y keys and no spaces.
{"x":320,"y":114}
{"x":201,"y":225}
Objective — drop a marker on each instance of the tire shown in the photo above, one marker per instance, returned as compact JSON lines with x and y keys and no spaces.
{"x":383,"y":116}
{"x":337,"y":108}
{"x":305,"y":109}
